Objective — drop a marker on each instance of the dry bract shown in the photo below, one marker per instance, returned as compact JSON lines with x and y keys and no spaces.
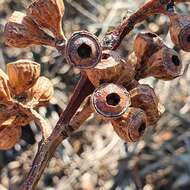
{"x":21,"y":31}
{"x":23,"y":74}
{"x":131,"y":126}
{"x":48,"y":14}
{"x":180,"y":31}
{"x":144,"y":97}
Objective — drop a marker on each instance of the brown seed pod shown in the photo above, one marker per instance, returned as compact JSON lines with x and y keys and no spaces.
{"x":111,"y":69}
{"x":110,"y":100}
{"x":5,"y":96}
{"x":83,"y":50}
{"x":41,"y":93}
{"x":165,"y":64}
{"x":21,"y":31}
{"x":180,"y":31}
{"x":22,"y":75}
{"x":146,"y":44}
{"x":144,"y":97}
{"x":9,"y":135}
{"x":48,"y":14}
{"x":131,"y":126}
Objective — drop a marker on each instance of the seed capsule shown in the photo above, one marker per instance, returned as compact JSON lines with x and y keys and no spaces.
{"x":21,"y":31}
{"x":41,"y":93}
{"x":110,"y":100}
{"x":111,"y":69}
{"x":131,"y":126}
{"x":48,"y":14}
{"x":146,"y":44}
{"x":144,"y":97}
{"x":83,"y":50}
{"x":164,"y":64}
{"x":180,"y":31}
{"x":5,"y":96}
{"x":22,"y":75}
{"x":9,"y":135}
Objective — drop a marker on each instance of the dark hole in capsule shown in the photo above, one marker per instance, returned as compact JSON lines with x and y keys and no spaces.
{"x":142,"y":128}
{"x":84,"y":51}
{"x":188,"y":38}
{"x":113,"y":99}
{"x":176,"y":60}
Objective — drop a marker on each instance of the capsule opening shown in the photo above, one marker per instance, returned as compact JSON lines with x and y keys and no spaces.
{"x":142,"y":128}
{"x":113,"y":99}
{"x":176,"y":60}
{"x":84,"y":51}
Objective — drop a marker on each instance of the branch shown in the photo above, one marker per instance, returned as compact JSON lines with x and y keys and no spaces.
{"x":61,"y":131}
{"x":152,"y":7}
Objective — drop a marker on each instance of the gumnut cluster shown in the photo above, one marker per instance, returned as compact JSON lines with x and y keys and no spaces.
{"x":118,"y":97}
{"x":22,"y":90}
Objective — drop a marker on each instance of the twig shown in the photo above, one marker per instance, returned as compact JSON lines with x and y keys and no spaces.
{"x":61,"y":131}
{"x":152,"y":7}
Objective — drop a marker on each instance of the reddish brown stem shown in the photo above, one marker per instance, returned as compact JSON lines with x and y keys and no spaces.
{"x":61,"y":131}
{"x":152,"y":7}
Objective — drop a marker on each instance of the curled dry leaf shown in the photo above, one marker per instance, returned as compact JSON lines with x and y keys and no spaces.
{"x":131,"y":126}
{"x":48,"y":14}
{"x":110,"y":69}
{"x":5,"y":96}
{"x":22,"y":75}
{"x":9,"y":136}
{"x":21,"y":31}
{"x":144,"y":97}
{"x":41,"y":93}
{"x":180,"y":31}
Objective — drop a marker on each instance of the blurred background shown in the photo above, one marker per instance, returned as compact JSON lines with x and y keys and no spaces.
{"x":95,"y":158}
